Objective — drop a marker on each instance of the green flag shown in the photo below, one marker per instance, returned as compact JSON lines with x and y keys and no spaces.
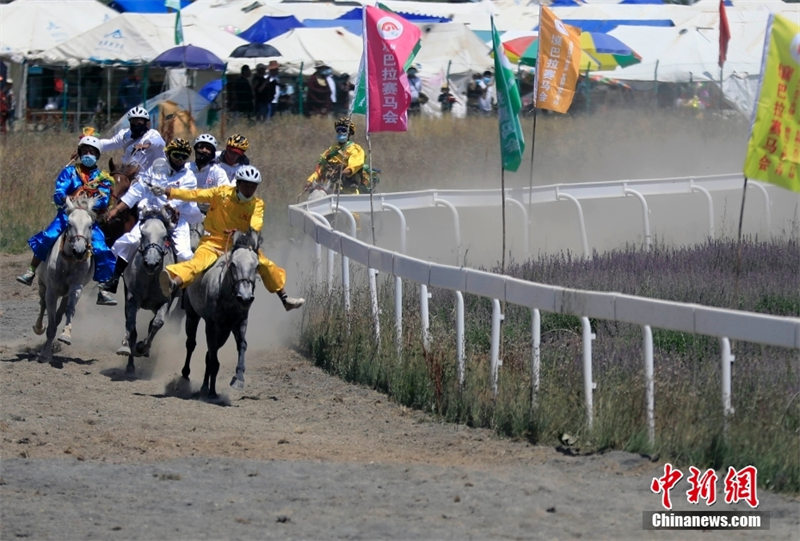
{"x":509,"y":103}
{"x":176,"y":5}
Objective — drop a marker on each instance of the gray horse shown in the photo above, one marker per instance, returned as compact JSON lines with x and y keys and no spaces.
{"x":141,"y":283}
{"x":222,"y":297}
{"x":69,"y":267}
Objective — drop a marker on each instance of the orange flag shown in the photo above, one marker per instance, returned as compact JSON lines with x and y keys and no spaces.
{"x":558,"y":63}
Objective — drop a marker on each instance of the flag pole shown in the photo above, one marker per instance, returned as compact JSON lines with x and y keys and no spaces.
{"x":371,"y":188}
{"x":739,"y":246}
{"x":503,"y":195}
{"x":533,"y":145}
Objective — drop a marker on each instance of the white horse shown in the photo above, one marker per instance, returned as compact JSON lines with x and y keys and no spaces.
{"x":222,"y":297}
{"x":69,"y":267}
{"x":141,"y":283}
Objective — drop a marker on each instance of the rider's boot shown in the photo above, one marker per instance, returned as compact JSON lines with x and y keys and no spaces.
{"x":290,"y":303}
{"x":106,"y":289}
{"x":28,"y":276}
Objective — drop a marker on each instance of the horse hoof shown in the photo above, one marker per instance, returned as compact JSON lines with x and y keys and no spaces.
{"x":124,"y":350}
{"x":237,"y":383}
{"x":39,"y":330}
{"x":67,"y":339}
{"x":142,"y":350}
{"x":130,"y":370}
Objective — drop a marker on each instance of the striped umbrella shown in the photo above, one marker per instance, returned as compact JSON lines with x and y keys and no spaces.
{"x":607,"y":51}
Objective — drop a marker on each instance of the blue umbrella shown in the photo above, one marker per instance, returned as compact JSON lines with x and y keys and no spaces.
{"x":189,"y":56}
{"x":211,"y":89}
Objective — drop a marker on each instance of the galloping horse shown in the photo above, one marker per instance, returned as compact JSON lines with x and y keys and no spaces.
{"x":141,"y":282}
{"x":69,"y":267}
{"x":222,"y":297}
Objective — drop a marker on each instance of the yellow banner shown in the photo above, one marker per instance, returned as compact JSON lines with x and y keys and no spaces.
{"x":558,"y":63}
{"x":773,"y":151}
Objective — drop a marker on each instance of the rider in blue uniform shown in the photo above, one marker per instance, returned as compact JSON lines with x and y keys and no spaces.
{"x":88,"y":178}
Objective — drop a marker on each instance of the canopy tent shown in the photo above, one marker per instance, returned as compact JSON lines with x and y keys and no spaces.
{"x":270,"y":26}
{"x":301,"y":47}
{"x":134,"y":39}
{"x":451,"y":45}
{"x":353,"y":26}
{"x":416,"y":18}
{"x":143,"y":6}
{"x":31,"y":26}
{"x":606,"y":25}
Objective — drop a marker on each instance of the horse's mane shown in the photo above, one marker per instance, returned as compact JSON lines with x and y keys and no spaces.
{"x":247,"y":239}
{"x":85,"y":202}
{"x":158,"y":214}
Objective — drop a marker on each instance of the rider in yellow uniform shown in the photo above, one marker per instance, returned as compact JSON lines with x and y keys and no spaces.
{"x":230,"y":208}
{"x":341,"y":163}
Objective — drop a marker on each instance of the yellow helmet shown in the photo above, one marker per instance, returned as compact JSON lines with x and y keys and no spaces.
{"x":178,"y":145}
{"x":238,"y":141}
{"x":344,"y":122}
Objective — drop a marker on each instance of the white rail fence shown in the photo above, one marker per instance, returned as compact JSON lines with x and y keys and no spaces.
{"x":726,"y":325}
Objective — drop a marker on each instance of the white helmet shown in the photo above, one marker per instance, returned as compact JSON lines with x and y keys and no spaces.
{"x":248,"y":173}
{"x":90,"y":141}
{"x":206,"y":138}
{"x":138,"y":112}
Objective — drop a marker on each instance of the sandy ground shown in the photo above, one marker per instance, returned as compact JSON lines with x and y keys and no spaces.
{"x":88,"y":453}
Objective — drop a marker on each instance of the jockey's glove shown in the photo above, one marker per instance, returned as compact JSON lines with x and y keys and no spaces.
{"x":158,"y":191}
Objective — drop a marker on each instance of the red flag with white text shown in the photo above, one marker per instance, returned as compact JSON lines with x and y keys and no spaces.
{"x":724,"y":33}
{"x":389,"y":43}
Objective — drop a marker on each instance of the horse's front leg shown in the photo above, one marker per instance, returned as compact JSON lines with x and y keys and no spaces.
{"x":71,"y":302}
{"x":192,"y":321}
{"x":38,"y":326}
{"x":239,"y":333}
{"x":143,"y":347}
{"x":213,"y":343}
{"x":124,"y":348}
{"x":130,"y":330}
{"x":46,"y":354}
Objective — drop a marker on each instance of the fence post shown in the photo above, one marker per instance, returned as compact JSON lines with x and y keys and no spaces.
{"x":536,"y":333}
{"x":424,"y":316}
{"x":373,"y":295}
{"x":398,"y":313}
{"x":588,"y":384}
{"x":460,"y":336}
{"x":497,"y":318}
{"x":726,"y":359}
{"x":649,"y":383}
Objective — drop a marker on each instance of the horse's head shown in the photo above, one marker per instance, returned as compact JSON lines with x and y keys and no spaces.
{"x":244,"y":266}
{"x":123,"y":177}
{"x":78,"y":235}
{"x":156,"y":228}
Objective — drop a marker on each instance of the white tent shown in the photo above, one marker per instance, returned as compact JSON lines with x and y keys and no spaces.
{"x":30,"y":26}
{"x":335,"y":46}
{"x":184,"y":98}
{"x":136,"y":38}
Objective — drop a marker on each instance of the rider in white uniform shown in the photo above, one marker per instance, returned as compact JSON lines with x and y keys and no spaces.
{"x":172,"y":172}
{"x":140,"y":143}
{"x":208,"y":172}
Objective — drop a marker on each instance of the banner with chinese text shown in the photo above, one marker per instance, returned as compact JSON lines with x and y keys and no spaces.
{"x":773,"y":151}
{"x":390,"y":42}
{"x":558,"y":62}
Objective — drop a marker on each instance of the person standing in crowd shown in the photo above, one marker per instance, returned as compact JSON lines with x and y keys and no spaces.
{"x":261,"y":93}
{"x":446,"y":99}
{"x":233,"y":156}
{"x":273,"y":87}
{"x":321,"y":91}
{"x":240,"y":94}
{"x":343,"y":89}
{"x":415,"y":85}
{"x":140,"y":143}
{"x":7,"y":105}
{"x":130,"y":91}
{"x":486,"y":100}
{"x":475,"y":90}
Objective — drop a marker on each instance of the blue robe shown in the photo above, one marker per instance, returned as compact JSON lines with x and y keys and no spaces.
{"x":67,"y":183}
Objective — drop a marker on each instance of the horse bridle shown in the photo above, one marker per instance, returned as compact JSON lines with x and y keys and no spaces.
{"x":70,"y":240}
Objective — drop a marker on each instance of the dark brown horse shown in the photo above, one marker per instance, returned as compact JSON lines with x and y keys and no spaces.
{"x":124,"y":221}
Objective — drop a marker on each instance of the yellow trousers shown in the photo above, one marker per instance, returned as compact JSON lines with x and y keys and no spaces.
{"x":273,"y":276}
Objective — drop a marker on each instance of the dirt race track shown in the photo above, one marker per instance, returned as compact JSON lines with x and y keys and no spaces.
{"x":90,"y":454}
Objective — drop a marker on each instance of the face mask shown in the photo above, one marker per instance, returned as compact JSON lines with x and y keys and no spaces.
{"x":202,"y":159}
{"x":137,"y":131}
{"x":487,"y":80}
{"x":326,"y":72}
{"x":242,"y":198}
{"x":341,"y":137}
{"x":88,"y":160}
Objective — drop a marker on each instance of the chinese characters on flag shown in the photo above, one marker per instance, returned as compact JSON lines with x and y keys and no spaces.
{"x":389,"y":42}
{"x":773,"y":151}
{"x":558,"y":63}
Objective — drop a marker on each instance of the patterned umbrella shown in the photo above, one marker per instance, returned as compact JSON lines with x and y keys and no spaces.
{"x":608,"y":51}
{"x":524,"y":50}
{"x":189,"y":56}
